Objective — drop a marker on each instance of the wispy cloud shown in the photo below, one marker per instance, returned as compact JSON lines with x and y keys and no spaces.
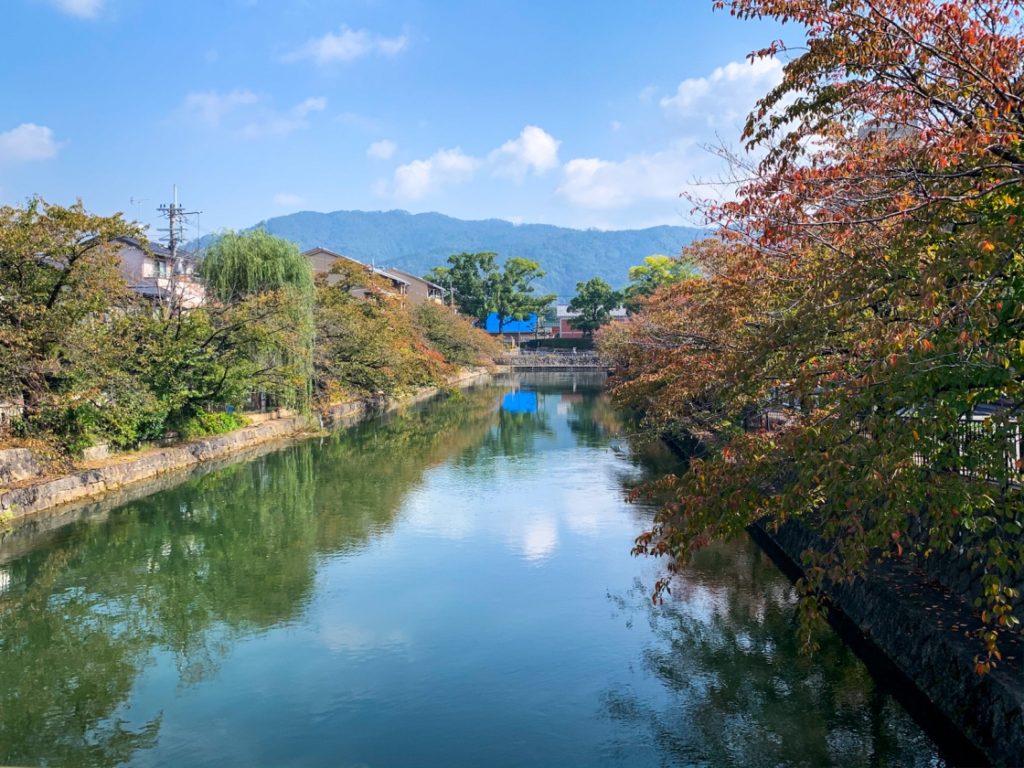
{"x":288,"y":200}
{"x":26,"y":143}
{"x":381,"y":150}
{"x":281,"y":124}
{"x":726,"y":95}
{"x":253,"y":112}
{"x":211,"y":107}
{"x":83,"y":9}
{"x":346,"y":45}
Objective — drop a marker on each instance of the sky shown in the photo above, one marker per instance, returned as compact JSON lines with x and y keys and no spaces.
{"x":581,"y":114}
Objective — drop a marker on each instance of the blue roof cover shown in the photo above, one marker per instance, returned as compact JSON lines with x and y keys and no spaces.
{"x":529,"y":325}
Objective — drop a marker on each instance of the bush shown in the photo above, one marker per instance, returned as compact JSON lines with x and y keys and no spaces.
{"x":206,"y":423}
{"x":454,"y":336}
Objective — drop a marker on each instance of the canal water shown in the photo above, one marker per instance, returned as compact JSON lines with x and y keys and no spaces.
{"x":449,"y":587}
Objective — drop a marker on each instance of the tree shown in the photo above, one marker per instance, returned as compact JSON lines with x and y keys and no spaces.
{"x":512,"y":291}
{"x":869,"y":270}
{"x":656,"y":271}
{"x":594,"y":301}
{"x":239,"y":265}
{"x":266,"y":290}
{"x":58,"y":269}
{"x":482,"y":287}
{"x":470,"y":277}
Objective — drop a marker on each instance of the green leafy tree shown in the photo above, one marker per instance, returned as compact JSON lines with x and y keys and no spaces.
{"x":594,"y":300}
{"x":266,"y":290}
{"x":470,"y":277}
{"x":656,"y":271}
{"x":58,"y":270}
{"x":512,"y":291}
{"x":482,"y":287}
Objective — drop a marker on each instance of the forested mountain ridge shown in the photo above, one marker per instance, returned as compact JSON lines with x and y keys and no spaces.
{"x":417,"y":242}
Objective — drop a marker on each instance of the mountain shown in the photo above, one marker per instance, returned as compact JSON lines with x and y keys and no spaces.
{"x":417,"y":242}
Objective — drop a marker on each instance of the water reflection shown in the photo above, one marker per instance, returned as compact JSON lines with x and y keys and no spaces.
{"x":445,"y":575}
{"x":725,"y":648}
{"x":191,"y":571}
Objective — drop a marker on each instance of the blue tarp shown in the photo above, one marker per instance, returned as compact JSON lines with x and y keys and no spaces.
{"x":529,"y":325}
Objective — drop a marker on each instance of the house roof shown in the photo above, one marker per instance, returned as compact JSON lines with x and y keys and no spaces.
{"x":415,"y":278}
{"x":373,"y":269}
{"x":157,"y":249}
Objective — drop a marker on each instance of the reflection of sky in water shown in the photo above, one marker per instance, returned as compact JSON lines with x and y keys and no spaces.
{"x":454,"y":589}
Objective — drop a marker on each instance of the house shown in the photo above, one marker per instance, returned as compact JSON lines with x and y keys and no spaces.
{"x":564,"y":317}
{"x":322,"y":260}
{"x":153,"y":274}
{"x":419,"y":290}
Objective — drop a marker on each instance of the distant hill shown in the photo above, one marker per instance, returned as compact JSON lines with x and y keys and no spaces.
{"x":417,"y":242}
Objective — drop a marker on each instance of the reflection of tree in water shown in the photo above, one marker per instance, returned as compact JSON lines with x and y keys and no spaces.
{"x":592,"y":418}
{"x":191,"y":570}
{"x":511,"y":434}
{"x":740,"y":693}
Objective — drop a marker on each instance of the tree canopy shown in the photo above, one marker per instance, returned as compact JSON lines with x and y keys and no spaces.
{"x":481,"y":286}
{"x":655,"y":272}
{"x":594,"y":301}
{"x":867,"y":283}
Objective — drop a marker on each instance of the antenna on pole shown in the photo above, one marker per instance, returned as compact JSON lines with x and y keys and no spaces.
{"x":137,"y":202}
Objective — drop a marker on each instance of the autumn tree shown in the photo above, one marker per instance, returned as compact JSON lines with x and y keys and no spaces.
{"x":594,"y":302}
{"x":873,"y":281}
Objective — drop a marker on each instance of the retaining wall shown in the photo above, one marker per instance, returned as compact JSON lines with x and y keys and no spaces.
{"x":923,"y":630}
{"x":28,"y":498}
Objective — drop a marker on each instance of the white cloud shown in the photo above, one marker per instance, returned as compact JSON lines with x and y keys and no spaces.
{"x":27,"y":142}
{"x":346,"y":45}
{"x":212,"y":107}
{"x":381,"y":150}
{"x":288,"y":200}
{"x":84,"y":9}
{"x":534,"y":150}
{"x":276,"y":124}
{"x":724,"y":96}
{"x":590,"y":182}
{"x":260,"y":119}
{"x":419,"y":178}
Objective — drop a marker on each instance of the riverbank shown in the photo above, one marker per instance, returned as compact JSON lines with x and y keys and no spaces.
{"x":58,"y":496}
{"x":907,"y":626}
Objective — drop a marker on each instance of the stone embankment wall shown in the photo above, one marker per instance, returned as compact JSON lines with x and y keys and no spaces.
{"x":24,"y":495}
{"x":923,"y":630}
{"x":28,"y":499}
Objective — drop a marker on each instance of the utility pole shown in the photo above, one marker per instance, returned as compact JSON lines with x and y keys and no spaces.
{"x":175,"y":229}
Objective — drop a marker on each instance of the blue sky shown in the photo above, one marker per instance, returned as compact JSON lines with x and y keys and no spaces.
{"x":577,"y":114}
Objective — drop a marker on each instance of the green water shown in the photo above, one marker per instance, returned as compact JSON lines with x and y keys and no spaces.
{"x":452,"y":587}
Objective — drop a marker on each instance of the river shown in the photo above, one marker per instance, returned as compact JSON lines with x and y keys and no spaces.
{"x":448,"y":587}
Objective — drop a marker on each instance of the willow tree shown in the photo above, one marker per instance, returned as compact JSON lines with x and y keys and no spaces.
{"x":264,"y":286}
